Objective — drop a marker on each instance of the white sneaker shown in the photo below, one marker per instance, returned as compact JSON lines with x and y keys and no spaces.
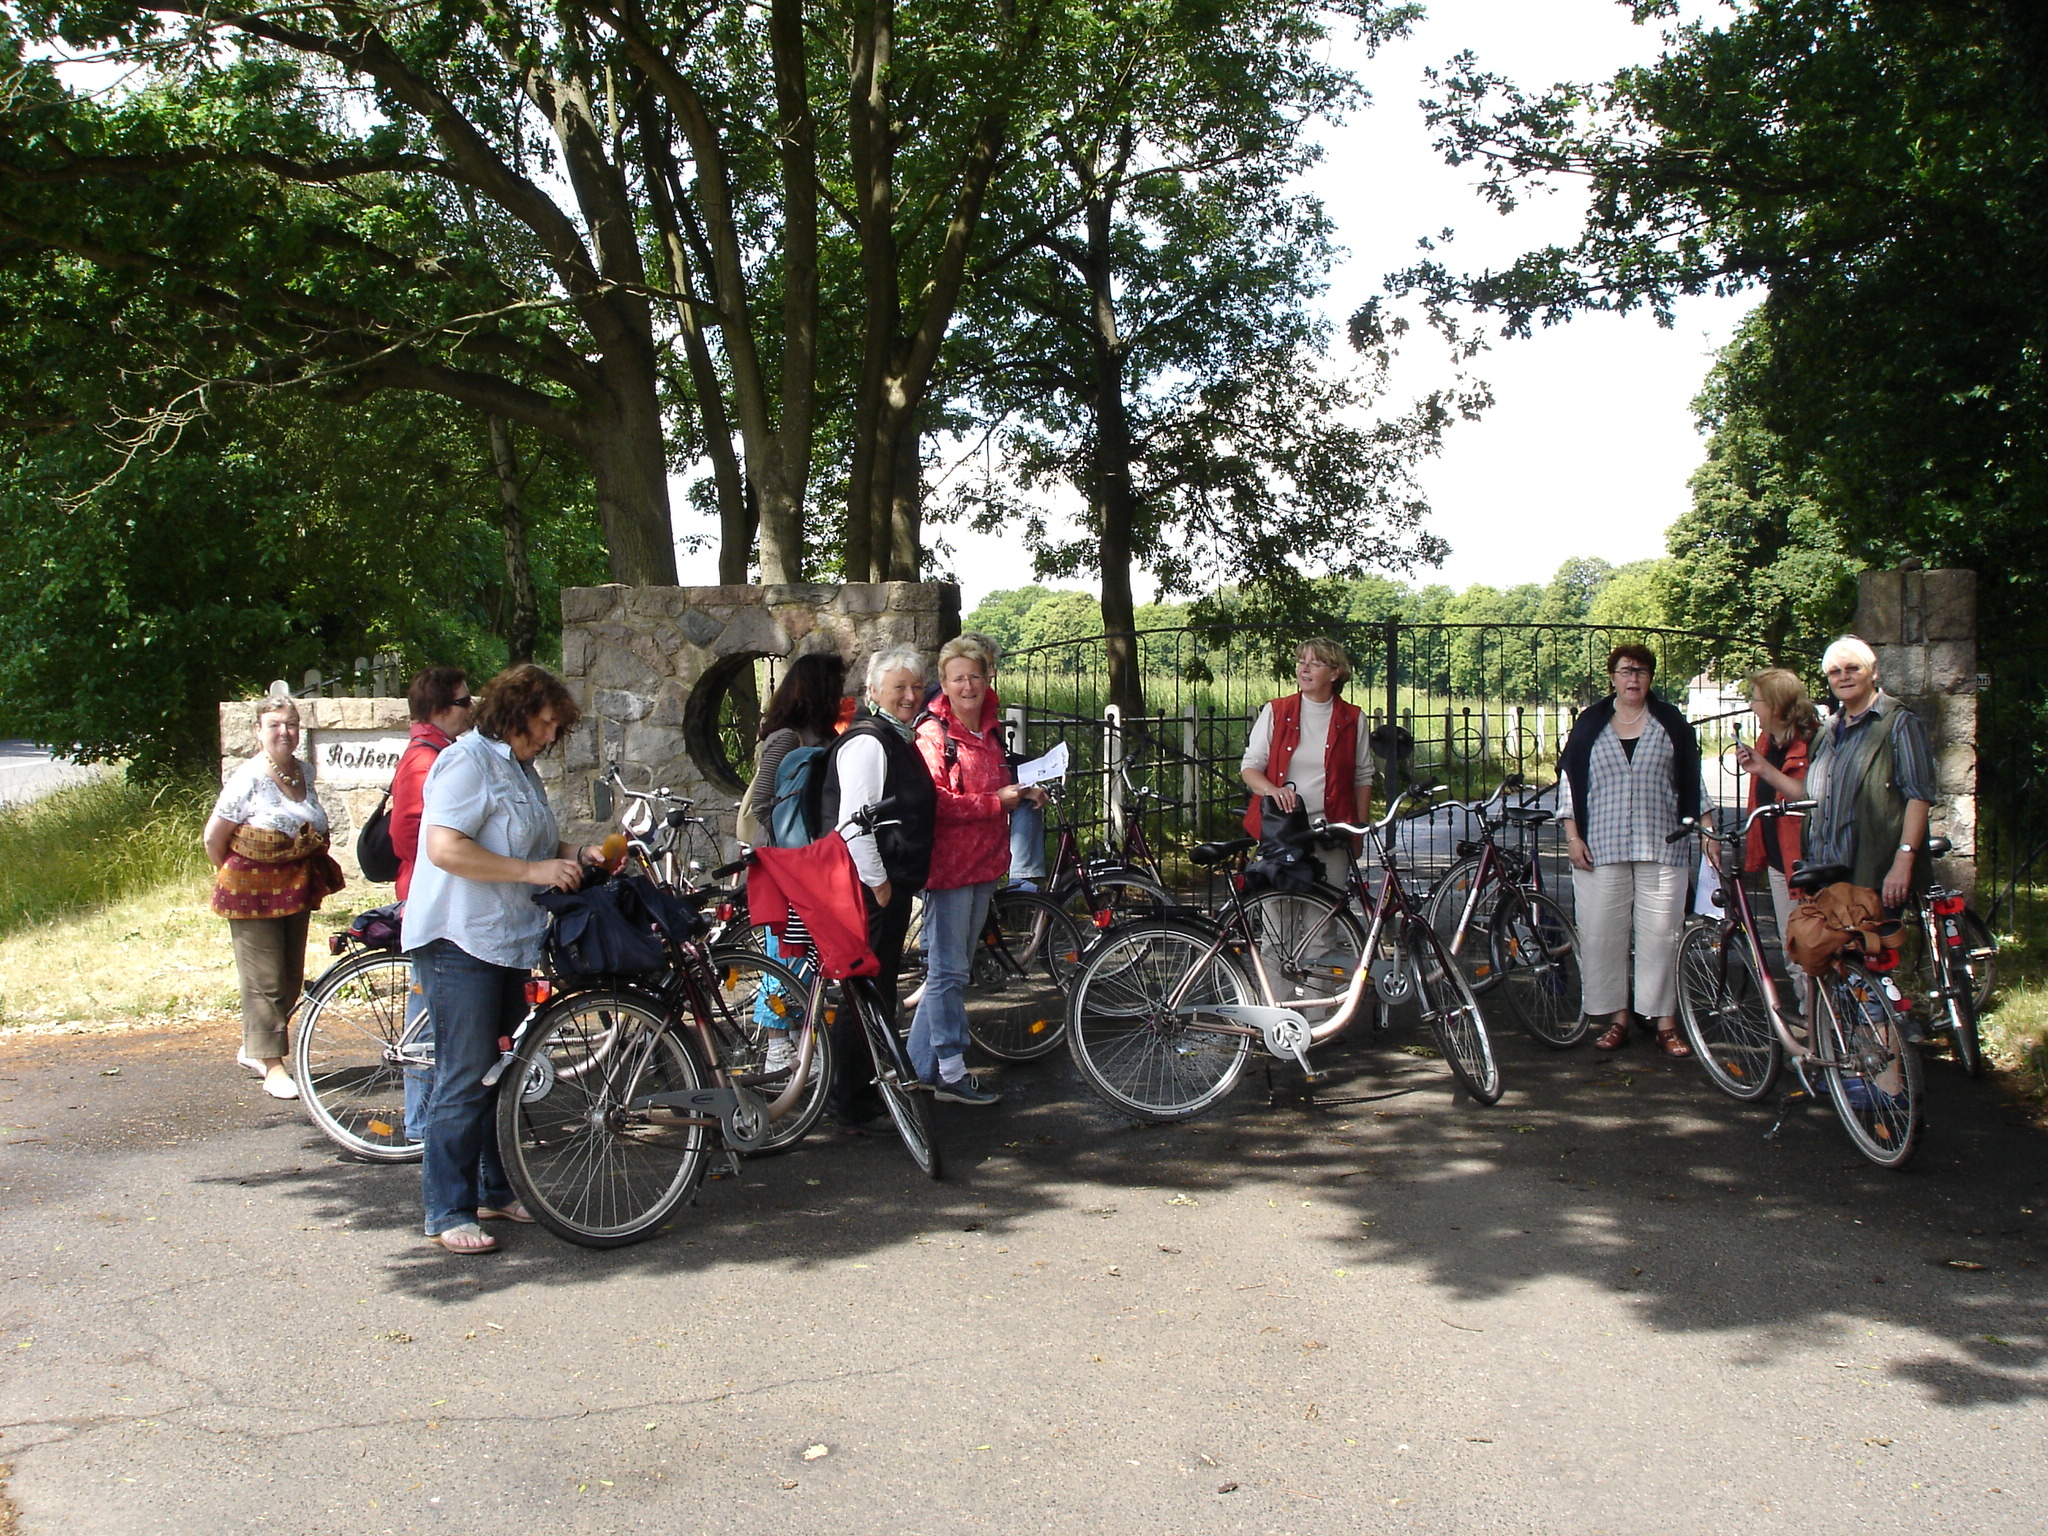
{"x":244,"y":1059}
{"x":279,"y":1085}
{"x":781,"y":1055}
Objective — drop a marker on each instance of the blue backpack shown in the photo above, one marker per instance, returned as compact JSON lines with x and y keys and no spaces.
{"x":799,"y":794}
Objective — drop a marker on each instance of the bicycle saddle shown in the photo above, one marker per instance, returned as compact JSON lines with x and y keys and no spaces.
{"x":1527,"y":815}
{"x":1937,"y":846}
{"x":1816,"y":877}
{"x":1216,"y":853}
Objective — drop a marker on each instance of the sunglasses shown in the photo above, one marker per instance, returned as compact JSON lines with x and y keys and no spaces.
{"x":467,"y":701}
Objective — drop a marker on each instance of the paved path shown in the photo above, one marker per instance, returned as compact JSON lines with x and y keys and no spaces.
{"x":1606,"y":1305}
{"x":28,"y":772}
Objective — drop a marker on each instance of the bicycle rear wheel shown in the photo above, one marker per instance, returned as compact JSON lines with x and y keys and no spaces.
{"x":1446,"y":904}
{"x":1875,"y":1079}
{"x":1017,"y":984}
{"x":1453,"y":1012}
{"x":1721,"y":1003}
{"x":1138,"y":1023}
{"x":908,"y":1103}
{"x":754,"y":1000}
{"x":1121,"y":892}
{"x":347,"y":1056}
{"x":1536,"y":962}
{"x":594,"y":1171}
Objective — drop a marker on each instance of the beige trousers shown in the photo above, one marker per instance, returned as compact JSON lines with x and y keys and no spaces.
{"x":1624,"y":904}
{"x":270,"y":963}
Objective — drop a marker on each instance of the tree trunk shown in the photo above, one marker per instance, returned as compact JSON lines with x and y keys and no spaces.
{"x":522,"y":604}
{"x":906,"y":512}
{"x":1115,"y":502}
{"x":630,"y":471}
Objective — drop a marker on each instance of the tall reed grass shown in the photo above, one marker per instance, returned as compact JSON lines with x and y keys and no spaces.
{"x":90,"y":845}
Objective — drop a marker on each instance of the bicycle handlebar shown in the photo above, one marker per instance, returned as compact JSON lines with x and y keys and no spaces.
{"x":1692,"y":824}
{"x":1385,"y":823}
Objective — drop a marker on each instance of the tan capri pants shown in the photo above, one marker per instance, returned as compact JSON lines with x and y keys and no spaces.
{"x":270,"y":963}
{"x":1617,"y":902}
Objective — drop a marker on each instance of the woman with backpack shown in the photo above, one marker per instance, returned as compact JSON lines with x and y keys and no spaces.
{"x":801,"y":716}
{"x":874,"y":762}
{"x":961,"y":742}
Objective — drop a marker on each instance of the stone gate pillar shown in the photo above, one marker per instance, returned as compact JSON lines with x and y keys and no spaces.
{"x":1923,"y":626}
{"x":651,"y":667}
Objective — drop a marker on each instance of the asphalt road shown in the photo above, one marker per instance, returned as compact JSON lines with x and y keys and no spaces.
{"x":1606,"y":1305}
{"x":28,"y":772}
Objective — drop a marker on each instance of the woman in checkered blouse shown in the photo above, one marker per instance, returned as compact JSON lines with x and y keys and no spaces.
{"x":1632,"y":771}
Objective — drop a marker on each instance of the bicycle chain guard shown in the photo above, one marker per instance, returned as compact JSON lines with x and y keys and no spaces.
{"x":1285,"y":1032}
{"x":742,"y":1113}
{"x":1391,"y":979}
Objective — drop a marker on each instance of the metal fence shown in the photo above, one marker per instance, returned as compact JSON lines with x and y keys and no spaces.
{"x":1468,"y":703}
{"x":2012,"y":789}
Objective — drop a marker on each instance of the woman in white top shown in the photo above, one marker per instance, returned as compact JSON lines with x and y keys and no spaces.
{"x":1309,"y":748}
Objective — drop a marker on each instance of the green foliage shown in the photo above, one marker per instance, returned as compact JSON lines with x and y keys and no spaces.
{"x":90,"y":844}
{"x":276,"y":535}
{"x":1758,"y":557}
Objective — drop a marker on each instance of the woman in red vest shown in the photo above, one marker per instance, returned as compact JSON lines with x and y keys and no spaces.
{"x":1311,"y":747}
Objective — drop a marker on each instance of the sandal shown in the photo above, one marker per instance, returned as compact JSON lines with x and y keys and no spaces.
{"x":1671,"y":1045}
{"x":515,"y":1211}
{"x":467,"y":1238}
{"x":1616,"y":1036}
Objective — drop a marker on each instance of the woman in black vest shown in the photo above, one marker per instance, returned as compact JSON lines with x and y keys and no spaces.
{"x":875,"y":760}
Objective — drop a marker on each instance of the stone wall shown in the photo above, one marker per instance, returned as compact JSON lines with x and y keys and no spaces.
{"x":351,"y":747}
{"x":650,"y":665}
{"x":1923,"y":626}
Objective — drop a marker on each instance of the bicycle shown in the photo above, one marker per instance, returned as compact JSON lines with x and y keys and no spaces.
{"x":1529,"y":947}
{"x":1855,"y":1048}
{"x":353,"y":1043}
{"x":904,"y":1094}
{"x":613,"y":1095}
{"x":1165,"y":1010}
{"x":1957,"y":965}
{"x":1107,"y":887}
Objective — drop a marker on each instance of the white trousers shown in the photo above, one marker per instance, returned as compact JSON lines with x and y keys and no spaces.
{"x":1618,"y":903}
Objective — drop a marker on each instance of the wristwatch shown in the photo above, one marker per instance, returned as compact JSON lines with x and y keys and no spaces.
{"x":1907,"y":848}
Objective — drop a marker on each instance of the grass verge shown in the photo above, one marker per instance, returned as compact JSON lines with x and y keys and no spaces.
{"x":104,"y":915}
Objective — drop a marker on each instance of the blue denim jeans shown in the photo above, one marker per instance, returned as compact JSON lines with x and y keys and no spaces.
{"x":952,"y":927}
{"x":1027,"y":842}
{"x":419,"y":1081}
{"x":473,"y":1003}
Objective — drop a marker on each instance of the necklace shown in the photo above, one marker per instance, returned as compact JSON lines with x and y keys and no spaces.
{"x":296,"y":780}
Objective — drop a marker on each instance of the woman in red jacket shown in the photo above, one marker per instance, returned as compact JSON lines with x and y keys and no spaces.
{"x":961,"y":742}
{"x":1786,"y":724}
{"x":441,"y":707}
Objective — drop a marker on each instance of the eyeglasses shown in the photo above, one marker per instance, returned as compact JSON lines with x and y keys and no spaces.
{"x":1631,"y":671}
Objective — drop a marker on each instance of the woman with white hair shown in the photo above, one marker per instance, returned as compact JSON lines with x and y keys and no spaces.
{"x":1873,"y":773}
{"x":873,"y":760}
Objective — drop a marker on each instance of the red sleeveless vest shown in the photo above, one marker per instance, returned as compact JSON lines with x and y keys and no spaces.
{"x":1340,"y":758}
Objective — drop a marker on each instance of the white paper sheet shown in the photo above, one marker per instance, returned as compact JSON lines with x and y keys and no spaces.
{"x":1043,"y":770}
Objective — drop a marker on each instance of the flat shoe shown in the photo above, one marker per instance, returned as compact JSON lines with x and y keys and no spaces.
{"x":280,"y":1087}
{"x":467,"y":1238}
{"x":244,"y":1059}
{"x":1671,"y":1045}
{"x":1615,"y":1037}
{"x":516,"y":1211}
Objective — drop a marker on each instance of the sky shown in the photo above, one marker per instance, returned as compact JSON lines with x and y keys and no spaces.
{"x":1590,"y":441}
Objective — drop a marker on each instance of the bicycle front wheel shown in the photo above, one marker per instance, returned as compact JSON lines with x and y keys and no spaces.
{"x":1017,"y":985}
{"x":1873,"y":1075}
{"x":1536,"y":962}
{"x":908,"y":1102}
{"x":1309,"y":943}
{"x":1120,"y":892}
{"x":595,"y":1170}
{"x":1721,"y":1003}
{"x":1446,"y":904}
{"x":1453,"y":1012}
{"x":757,"y":1002}
{"x":1139,"y":1023}
{"x":349,"y":1056}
